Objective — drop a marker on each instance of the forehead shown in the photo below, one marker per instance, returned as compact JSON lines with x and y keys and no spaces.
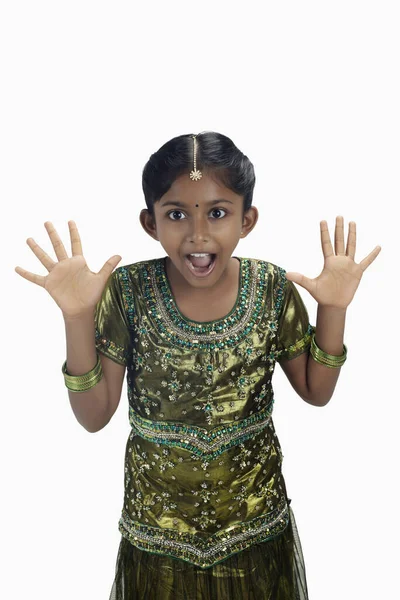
{"x":200,"y":192}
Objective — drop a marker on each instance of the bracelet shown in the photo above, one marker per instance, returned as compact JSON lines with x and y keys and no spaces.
{"x":82,"y":383}
{"x":329,"y":360}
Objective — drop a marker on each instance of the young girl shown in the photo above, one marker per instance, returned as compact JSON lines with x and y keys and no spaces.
{"x":206,"y":513}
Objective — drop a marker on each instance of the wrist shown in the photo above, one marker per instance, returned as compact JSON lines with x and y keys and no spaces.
{"x":334,"y":310}
{"x":80,"y":317}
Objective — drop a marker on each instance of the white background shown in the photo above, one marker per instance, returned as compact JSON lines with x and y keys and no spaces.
{"x":310,"y":92}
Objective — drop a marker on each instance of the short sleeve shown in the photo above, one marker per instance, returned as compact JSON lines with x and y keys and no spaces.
{"x":294,"y":328}
{"x":112,"y":331}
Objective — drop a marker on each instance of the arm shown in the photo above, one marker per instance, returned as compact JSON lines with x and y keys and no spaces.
{"x":333,"y":289}
{"x":94,"y":408}
{"x":85,"y":298}
{"x":315,"y":383}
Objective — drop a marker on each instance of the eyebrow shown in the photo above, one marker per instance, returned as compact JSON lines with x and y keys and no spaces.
{"x":182,"y":205}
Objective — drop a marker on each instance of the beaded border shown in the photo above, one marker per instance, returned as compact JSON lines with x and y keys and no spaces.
{"x":206,"y":552}
{"x":220,"y":333}
{"x":204,"y":444}
{"x":279,"y":292}
{"x":127,"y":295}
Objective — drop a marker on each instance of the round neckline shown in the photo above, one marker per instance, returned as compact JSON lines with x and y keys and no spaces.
{"x":171,"y":298}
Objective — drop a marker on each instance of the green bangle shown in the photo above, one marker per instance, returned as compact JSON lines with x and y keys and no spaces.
{"x":82,"y":383}
{"x":328,"y":360}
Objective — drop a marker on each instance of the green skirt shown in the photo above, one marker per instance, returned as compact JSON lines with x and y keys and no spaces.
{"x":271,"y":570}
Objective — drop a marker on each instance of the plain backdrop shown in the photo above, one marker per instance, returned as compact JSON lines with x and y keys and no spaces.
{"x":310,"y":92}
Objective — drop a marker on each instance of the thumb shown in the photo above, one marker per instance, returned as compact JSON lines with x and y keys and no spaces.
{"x":300,"y":279}
{"x":109,"y":266}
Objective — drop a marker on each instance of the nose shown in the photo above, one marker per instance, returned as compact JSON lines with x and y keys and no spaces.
{"x":198,"y":229}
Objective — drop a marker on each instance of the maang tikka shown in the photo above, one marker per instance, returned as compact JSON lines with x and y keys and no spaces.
{"x":195,"y":175}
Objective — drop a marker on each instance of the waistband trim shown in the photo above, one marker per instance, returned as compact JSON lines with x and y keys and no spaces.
{"x":201,"y":442}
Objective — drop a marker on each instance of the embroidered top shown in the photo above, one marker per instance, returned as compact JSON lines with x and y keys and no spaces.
{"x":203,"y":463}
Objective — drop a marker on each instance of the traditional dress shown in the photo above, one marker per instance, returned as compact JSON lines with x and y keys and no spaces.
{"x":205,"y":514}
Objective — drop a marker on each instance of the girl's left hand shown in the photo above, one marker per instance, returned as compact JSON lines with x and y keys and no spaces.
{"x":337,"y":283}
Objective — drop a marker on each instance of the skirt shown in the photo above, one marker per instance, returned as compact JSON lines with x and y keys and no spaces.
{"x":271,"y":570}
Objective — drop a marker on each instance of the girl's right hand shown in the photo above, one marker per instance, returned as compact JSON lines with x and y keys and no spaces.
{"x":70,"y":282}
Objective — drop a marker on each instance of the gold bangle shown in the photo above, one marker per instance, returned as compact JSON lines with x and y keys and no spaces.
{"x":82,"y":383}
{"x":323,"y":358}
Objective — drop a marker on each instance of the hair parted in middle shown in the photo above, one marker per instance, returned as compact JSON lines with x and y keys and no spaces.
{"x":216,"y":156}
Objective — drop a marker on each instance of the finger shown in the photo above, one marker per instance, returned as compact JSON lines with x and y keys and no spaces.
{"x":370,"y":258}
{"x":44,"y":258}
{"x":38,"y":279}
{"x":76,"y":245}
{"x":351,"y":240}
{"x":325,"y":240}
{"x":109,"y":266}
{"x":302,"y":280}
{"x":339,"y":235}
{"x":55,"y":240}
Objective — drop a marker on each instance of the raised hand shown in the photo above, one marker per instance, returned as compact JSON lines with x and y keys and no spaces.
{"x":70,"y":282}
{"x":340,"y":276}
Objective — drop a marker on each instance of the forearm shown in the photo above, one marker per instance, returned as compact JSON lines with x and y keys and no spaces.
{"x":90,"y":407}
{"x":329,"y":336}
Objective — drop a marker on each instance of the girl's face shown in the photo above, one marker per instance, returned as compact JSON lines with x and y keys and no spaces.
{"x":199,"y":216}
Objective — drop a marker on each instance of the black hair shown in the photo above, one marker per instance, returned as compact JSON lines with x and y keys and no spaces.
{"x":216,"y":155}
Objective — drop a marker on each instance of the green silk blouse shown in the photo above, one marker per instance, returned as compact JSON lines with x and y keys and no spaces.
{"x":203,"y":475}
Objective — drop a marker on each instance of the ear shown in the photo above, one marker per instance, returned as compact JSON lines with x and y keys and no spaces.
{"x":148,"y":223}
{"x":250,"y":219}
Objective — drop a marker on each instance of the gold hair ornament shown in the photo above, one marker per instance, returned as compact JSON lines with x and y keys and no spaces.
{"x":195,"y":175}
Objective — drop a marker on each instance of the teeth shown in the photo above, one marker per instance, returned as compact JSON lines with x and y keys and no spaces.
{"x":200,"y":254}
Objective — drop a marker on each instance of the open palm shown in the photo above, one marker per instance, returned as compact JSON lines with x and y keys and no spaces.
{"x":340,"y":277}
{"x":72,"y":285}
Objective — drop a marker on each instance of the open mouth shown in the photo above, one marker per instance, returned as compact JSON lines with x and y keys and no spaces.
{"x":201,"y":266}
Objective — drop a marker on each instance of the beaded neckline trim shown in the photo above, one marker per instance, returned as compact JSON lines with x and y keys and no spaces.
{"x":203,"y":443}
{"x":206,"y":552}
{"x":220,"y":333}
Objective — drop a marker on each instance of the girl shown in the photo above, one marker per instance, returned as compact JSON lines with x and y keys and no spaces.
{"x":206,"y":513}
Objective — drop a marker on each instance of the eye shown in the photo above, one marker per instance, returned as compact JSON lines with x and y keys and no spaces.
{"x":218,"y":210}
{"x":174,"y":212}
